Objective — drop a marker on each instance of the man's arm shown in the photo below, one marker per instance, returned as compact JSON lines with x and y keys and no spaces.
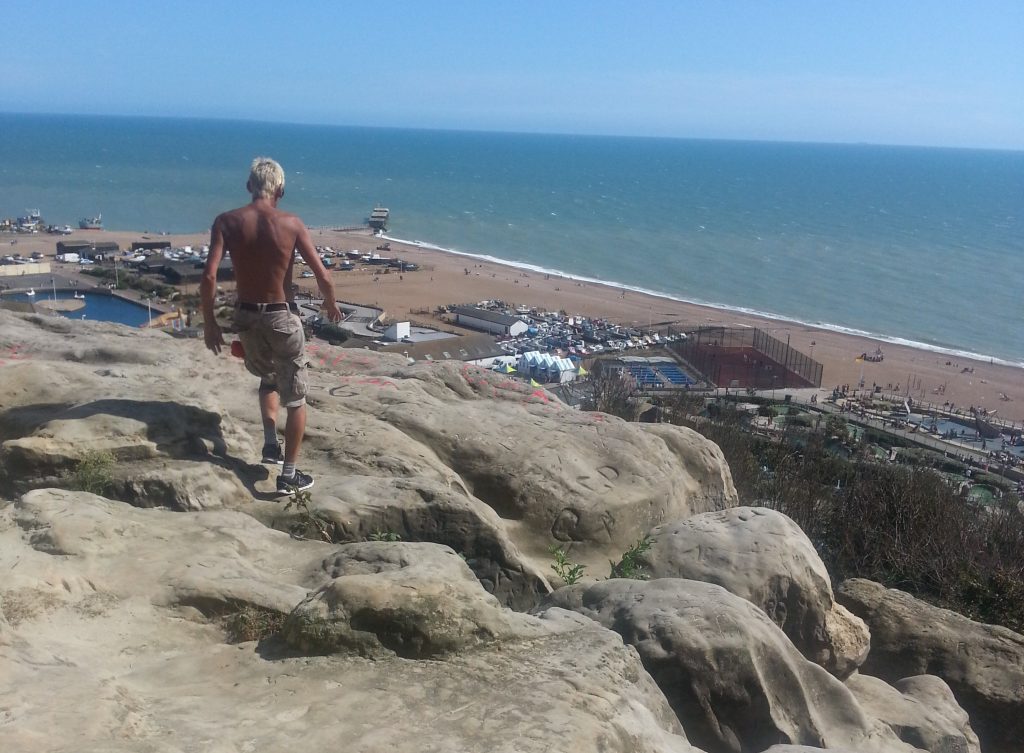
{"x":307,"y":251}
{"x":208,"y":289}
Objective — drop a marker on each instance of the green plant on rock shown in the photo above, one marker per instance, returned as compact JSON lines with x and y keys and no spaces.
{"x":93,"y":472}
{"x":309,"y":522}
{"x":569,"y":572}
{"x":629,"y":566}
{"x":383,"y":536}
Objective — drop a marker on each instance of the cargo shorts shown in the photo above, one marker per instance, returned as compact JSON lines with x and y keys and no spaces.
{"x":275,"y":351}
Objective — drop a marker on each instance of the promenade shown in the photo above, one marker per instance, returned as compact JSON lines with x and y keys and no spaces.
{"x":966,"y":448}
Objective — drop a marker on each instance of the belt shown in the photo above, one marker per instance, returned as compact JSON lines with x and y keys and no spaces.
{"x":266,"y":308}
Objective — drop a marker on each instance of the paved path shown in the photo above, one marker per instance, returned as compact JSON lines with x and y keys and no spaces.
{"x":961,"y":449}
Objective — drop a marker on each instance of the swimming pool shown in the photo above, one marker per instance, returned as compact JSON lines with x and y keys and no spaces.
{"x":99,"y":306}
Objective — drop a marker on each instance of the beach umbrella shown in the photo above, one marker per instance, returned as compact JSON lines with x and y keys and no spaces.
{"x":583,"y":371}
{"x":534,"y":383}
{"x":509,"y":369}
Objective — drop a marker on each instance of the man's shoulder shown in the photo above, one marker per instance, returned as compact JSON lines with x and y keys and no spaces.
{"x":288,"y":217}
{"x":233,"y":214}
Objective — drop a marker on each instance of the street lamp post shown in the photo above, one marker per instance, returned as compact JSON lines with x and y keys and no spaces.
{"x":788,"y":351}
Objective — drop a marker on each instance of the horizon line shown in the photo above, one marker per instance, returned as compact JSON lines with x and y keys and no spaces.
{"x":498,"y":131}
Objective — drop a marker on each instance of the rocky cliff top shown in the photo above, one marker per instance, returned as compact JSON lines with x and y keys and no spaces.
{"x":170,"y":601}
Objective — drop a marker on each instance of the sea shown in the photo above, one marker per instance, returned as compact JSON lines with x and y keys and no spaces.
{"x":921,"y":246}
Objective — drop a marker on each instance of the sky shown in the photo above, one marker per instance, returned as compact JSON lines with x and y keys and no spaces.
{"x":931,"y":72}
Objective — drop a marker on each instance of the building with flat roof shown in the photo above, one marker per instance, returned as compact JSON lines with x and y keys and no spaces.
{"x":190,"y":272}
{"x":496,"y":322}
{"x":479,"y":349}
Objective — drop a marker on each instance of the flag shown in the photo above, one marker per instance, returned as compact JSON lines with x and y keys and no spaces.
{"x":534,"y":383}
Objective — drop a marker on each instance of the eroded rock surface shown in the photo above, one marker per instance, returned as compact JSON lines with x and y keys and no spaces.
{"x":763,"y":556}
{"x":117,"y":612}
{"x":443,"y":452}
{"x":982,"y":664}
{"x":107,"y":643}
{"x":732,"y":676}
{"x":920,"y":710}
{"x":410,"y":600}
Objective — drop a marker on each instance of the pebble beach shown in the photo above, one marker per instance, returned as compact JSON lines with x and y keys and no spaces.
{"x":446,"y":278}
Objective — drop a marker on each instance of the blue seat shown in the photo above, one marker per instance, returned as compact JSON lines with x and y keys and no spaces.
{"x":674,"y":374}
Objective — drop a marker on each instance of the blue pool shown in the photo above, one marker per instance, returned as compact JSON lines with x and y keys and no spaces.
{"x":98,"y":306}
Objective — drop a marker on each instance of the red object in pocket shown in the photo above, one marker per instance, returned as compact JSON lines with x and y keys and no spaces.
{"x":236,"y":349}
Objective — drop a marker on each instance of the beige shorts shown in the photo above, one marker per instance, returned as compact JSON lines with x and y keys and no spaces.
{"x":275,"y":351}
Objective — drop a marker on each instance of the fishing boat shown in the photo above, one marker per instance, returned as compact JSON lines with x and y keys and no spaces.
{"x":31,"y":221}
{"x":79,"y":296}
{"x":91,"y":223}
{"x":31,"y":292}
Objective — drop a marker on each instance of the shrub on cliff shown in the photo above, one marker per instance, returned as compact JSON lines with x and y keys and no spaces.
{"x":901,"y":526}
{"x":93,"y":473}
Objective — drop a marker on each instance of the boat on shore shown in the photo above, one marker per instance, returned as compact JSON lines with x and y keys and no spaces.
{"x":91,"y":223}
{"x":31,"y":221}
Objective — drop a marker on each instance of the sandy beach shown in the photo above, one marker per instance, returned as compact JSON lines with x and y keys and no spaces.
{"x":443,"y":279}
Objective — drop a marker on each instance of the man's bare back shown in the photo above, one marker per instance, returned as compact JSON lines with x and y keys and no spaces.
{"x":261,"y":240}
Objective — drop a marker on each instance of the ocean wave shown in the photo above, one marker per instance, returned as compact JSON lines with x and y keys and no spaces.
{"x":877,"y":336}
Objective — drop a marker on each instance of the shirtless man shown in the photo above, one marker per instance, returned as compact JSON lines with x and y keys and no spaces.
{"x":261,"y":240}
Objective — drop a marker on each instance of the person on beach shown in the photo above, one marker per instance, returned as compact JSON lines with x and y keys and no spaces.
{"x":262,"y":240}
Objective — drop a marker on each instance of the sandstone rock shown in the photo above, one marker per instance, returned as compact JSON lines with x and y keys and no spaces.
{"x":130,"y":430}
{"x":805,"y":749}
{"x":180,"y":485}
{"x":412,"y":600}
{"x":763,"y":556}
{"x":982,"y":664}
{"x":591,"y":482}
{"x":920,"y":710}
{"x":356,"y":508}
{"x":445,"y":452}
{"x":213,"y":561}
{"x":138,"y":670}
{"x":733,"y":678}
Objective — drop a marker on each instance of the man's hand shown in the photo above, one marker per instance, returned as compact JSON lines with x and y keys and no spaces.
{"x":213,"y":336}
{"x":333,"y":312}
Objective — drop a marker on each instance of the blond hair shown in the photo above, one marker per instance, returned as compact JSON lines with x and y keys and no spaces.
{"x":266,"y":178}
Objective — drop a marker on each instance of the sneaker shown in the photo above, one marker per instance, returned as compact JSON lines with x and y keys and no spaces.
{"x":272,"y":454}
{"x":297,"y":483}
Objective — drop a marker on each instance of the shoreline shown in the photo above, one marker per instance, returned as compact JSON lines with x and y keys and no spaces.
{"x":453,"y":277}
{"x":944,"y":350}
